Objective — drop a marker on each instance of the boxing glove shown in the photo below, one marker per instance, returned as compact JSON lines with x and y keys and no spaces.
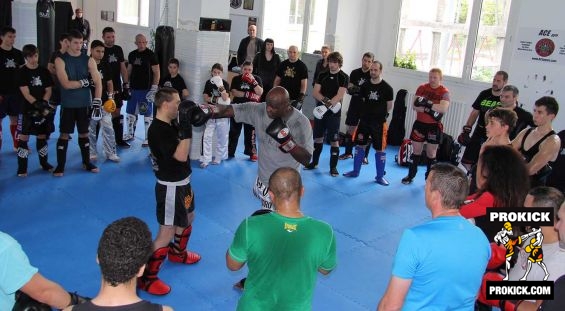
{"x":109,"y":105}
{"x":184,"y":118}
{"x":497,"y":256}
{"x":434,"y":114}
{"x":126,"y":92}
{"x":281,"y":134}
{"x":77,"y":299}
{"x":465,"y":137}
{"x":150,"y":97}
{"x":504,"y":305}
{"x":423,"y":102}
{"x":249,"y":79}
{"x":217,"y":81}
{"x":221,"y":101}
{"x":84,"y":83}
{"x":96,"y":114}
{"x":297,"y":104}
{"x":201,"y":114}
{"x":320,"y":111}
{"x":252,"y":97}
{"x":335,"y":108}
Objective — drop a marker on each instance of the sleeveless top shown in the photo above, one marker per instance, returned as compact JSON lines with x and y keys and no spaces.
{"x":530,"y":153}
{"x":138,"y":306}
{"x":76,"y":68}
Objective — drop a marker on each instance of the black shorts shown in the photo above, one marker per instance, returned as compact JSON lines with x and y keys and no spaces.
{"x":378,"y":133}
{"x":71,"y":116}
{"x":119,"y":101}
{"x":11,"y":105}
{"x":328,"y":125}
{"x":29,"y":127}
{"x":426,"y":132}
{"x":471,"y":154}
{"x":174,"y":203}
{"x":353,"y":112}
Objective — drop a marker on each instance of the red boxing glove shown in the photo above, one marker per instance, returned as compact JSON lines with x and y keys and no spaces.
{"x":252,"y":97}
{"x":504,"y":305}
{"x":497,"y":256}
{"x":249,"y":79}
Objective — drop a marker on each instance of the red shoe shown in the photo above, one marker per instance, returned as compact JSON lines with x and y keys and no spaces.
{"x":153,"y":286}
{"x":178,"y":252}
{"x":253,"y":157}
{"x":186,"y":257}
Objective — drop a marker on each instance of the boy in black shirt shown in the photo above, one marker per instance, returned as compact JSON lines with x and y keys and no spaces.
{"x":174,"y":79}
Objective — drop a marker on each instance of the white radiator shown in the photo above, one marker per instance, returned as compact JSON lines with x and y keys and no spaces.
{"x":453,"y":120}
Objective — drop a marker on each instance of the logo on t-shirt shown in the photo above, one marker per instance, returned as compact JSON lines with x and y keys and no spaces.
{"x":290,"y":227}
{"x":36,"y":81}
{"x":112,"y":58}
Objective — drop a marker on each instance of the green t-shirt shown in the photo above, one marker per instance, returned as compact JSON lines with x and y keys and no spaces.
{"x":283,"y":256}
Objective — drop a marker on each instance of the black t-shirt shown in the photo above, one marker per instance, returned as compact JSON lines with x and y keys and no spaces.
{"x":485,"y":102}
{"x":291,"y":75}
{"x":212,"y":90}
{"x":557,"y":304}
{"x":330,"y":84}
{"x":374,"y":106}
{"x":141,"y":76}
{"x":525,"y":120}
{"x":557,"y":177}
{"x":163,"y":142}
{"x":10,"y":61}
{"x":238,"y":84}
{"x":266,"y":69}
{"x":358,"y":77}
{"x":114,"y":56}
{"x":37,"y":80}
{"x":105,"y":76}
{"x":176,"y":83}
{"x":319,"y":69}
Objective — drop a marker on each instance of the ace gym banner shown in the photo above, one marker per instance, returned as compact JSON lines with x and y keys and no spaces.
{"x":541,"y":45}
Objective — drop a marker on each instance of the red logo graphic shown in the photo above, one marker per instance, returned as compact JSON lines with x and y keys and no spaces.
{"x":545,"y":47}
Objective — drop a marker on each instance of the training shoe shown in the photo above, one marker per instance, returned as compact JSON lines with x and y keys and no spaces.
{"x":124,"y":144}
{"x":365,"y":161}
{"x":334,"y":172}
{"x":203,"y":165}
{"x":407,"y":180}
{"x":216,"y":162}
{"x":381,"y":181}
{"x":186,"y":257}
{"x":310,"y":166}
{"x":47,"y":167}
{"x":114,"y":158}
{"x":253,"y":157}
{"x":345,"y":156}
{"x":90,"y":167}
{"x":128,"y":138}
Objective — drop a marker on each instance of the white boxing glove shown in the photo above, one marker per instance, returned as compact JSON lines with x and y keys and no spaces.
{"x":221,"y":101}
{"x":150,"y":96}
{"x":320,"y":111}
{"x":336,"y":108}
{"x":217,"y":81}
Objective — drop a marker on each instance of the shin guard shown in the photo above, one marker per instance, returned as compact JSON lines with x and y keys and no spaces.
{"x":84,"y":144}
{"x":177,"y":250}
{"x":334,"y":155}
{"x":23,"y":153}
{"x":149,"y":281}
{"x":357,"y":162}
{"x":316,"y":155}
{"x":62,"y":145}
{"x":380,"y":161}
{"x":41,"y":146}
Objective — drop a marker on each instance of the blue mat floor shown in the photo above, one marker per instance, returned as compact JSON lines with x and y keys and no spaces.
{"x":58,"y":221}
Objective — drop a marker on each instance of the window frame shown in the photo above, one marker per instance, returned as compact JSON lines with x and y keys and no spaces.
{"x":139,"y":14}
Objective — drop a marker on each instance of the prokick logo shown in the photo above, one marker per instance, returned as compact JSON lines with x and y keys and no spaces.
{"x":45,"y":14}
{"x":529,"y":240}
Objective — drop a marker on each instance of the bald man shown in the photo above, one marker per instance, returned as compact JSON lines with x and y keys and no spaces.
{"x":284,"y":134}
{"x":282,"y":277}
{"x":249,"y":46}
{"x":292,"y":74}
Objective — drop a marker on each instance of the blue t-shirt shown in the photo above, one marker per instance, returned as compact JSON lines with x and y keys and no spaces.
{"x":15,"y":270}
{"x":445,"y":258}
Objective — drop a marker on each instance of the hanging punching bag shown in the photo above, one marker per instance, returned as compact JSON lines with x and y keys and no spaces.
{"x":45,"y":30}
{"x":164,"y":47}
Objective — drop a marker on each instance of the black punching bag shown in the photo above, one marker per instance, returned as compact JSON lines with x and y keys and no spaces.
{"x":164,"y":47}
{"x":45,"y":30}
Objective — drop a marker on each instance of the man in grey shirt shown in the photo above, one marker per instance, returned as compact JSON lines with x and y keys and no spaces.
{"x":284,"y":135}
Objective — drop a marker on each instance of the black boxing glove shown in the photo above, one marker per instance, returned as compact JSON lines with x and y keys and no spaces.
{"x":423,"y":102}
{"x":353,"y":90}
{"x":77,"y":299}
{"x":465,"y":137}
{"x":296,"y":104}
{"x":26,"y":303}
{"x":279,"y":131}
{"x":434,"y":114}
{"x":126,"y":92}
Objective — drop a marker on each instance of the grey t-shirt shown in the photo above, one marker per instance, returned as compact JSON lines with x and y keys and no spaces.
{"x":270,"y":156}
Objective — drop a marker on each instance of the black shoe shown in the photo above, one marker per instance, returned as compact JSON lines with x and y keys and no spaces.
{"x":345,"y":156}
{"x":310,"y":166}
{"x":334,"y":172}
{"x":365,"y":161}
{"x":123,"y":144}
{"x":407,"y":180}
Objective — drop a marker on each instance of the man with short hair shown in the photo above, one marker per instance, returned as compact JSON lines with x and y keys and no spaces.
{"x":282,"y":277}
{"x":488,"y":99}
{"x":114,"y":56}
{"x":123,"y":250}
{"x":328,"y":92}
{"x":169,"y":138}
{"x":292,"y":74}
{"x":430,"y":103}
{"x":249,"y":46}
{"x":82,"y":25}
{"x":10,"y":101}
{"x":75,"y":71}
{"x":509,"y":100}
{"x":357,"y":78}
{"x":423,"y":277}
{"x":541,"y":144}
{"x":143,"y":73}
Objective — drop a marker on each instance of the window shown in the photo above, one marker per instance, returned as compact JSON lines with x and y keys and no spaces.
{"x":133,"y":12}
{"x":438,"y":33}
{"x":304,"y":26}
